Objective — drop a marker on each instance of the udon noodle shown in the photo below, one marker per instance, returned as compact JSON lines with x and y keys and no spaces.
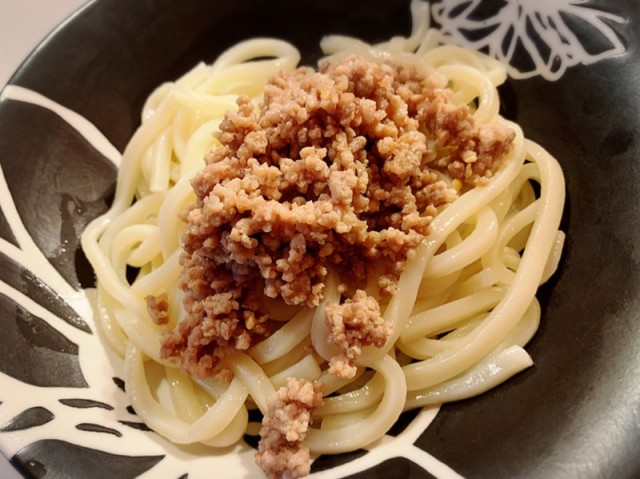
{"x":465,"y":305}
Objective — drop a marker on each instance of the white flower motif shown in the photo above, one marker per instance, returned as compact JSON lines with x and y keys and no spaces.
{"x":548,"y":36}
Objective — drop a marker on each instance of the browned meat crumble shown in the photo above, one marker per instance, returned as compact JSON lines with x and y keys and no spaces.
{"x":354,"y":324}
{"x":335,"y":169}
{"x":282,"y":452}
{"x":158,"y":308}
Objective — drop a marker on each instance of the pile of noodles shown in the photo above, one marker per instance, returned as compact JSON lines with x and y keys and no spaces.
{"x":465,"y":305}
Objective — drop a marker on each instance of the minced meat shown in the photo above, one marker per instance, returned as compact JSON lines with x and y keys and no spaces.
{"x":335,"y":169}
{"x":158,"y":308}
{"x":354,"y":324}
{"x":282,"y":452}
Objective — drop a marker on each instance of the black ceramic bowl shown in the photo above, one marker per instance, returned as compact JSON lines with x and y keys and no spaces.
{"x":576,"y":413}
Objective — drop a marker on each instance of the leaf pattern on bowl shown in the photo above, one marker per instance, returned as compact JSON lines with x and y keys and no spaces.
{"x":543,"y":37}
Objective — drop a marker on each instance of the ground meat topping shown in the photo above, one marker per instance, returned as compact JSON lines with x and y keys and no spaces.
{"x":158,"y":308}
{"x":337,"y":169}
{"x":470,"y":152}
{"x":352,"y":325}
{"x":282,"y":452}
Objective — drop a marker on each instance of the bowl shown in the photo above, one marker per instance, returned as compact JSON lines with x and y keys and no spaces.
{"x":69,"y":111}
